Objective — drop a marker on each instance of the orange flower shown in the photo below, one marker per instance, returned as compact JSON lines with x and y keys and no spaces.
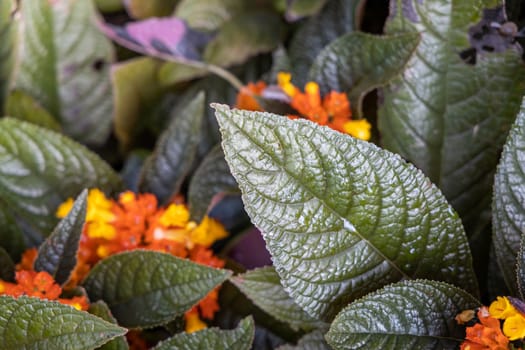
{"x":485,"y":335}
{"x":28,"y":259}
{"x":246,"y":97}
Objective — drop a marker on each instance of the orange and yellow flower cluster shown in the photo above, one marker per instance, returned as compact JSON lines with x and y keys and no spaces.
{"x":332,"y":110}
{"x":499,"y":325}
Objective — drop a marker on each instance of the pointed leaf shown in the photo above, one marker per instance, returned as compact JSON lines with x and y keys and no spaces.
{"x":145,"y":288}
{"x":407,"y":315}
{"x":65,"y":62}
{"x":100,"y":309}
{"x":240,"y":338}
{"x":58,"y":254}
{"x":33,"y":323}
{"x":41,"y":169}
{"x":448,"y":117}
{"x":7,"y":48}
{"x":312,"y":341}
{"x":11,"y":236}
{"x":174,"y":154}
{"x":323,"y":199}
{"x":208,"y":15}
{"x":263,"y":287}
{"x":211,"y":179}
{"x":7,"y":266}
{"x":22,"y":106}
{"x":358,"y":62}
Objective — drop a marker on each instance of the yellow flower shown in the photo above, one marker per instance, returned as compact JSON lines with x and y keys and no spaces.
{"x":502,"y":308}
{"x":284,"y":82}
{"x":64,"y":208}
{"x":177,"y":215}
{"x":208,"y":231}
{"x":99,"y":207}
{"x":194,"y":323}
{"x":514,"y":327}
{"x":358,"y":128}
{"x":99,"y":229}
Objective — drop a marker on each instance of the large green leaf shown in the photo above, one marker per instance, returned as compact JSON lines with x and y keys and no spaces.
{"x":174,"y":155}
{"x":58,"y":254}
{"x":41,"y":169}
{"x":208,"y":15}
{"x":448,"y":117}
{"x":23,"y":106}
{"x":211,"y":179}
{"x":408,"y":315}
{"x":240,"y":338}
{"x":311,"y":341}
{"x":100,"y":309}
{"x":7,"y":48}
{"x":65,"y":62}
{"x":508,"y":215}
{"x":340,"y":216}
{"x":358,"y":62}
{"x":263,"y":287}
{"x":145,"y":288}
{"x":11,"y":236}
{"x":33,"y":323}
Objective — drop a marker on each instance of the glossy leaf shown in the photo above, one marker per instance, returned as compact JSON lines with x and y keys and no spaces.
{"x":24,"y":107}
{"x":508,"y":215}
{"x":211,"y":180}
{"x":7,"y":48}
{"x":100,"y":309}
{"x":33,"y":323}
{"x":263,"y":287}
{"x":145,"y":288}
{"x":208,"y":15}
{"x":311,"y":341}
{"x":244,"y":36}
{"x":337,"y":18}
{"x":358,"y":62}
{"x":152,"y":8}
{"x":240,"y":338}
{"x":11,"y":236}
{"x":448,"y":117}
{"x":415,"y":314}
{"x":323,"y":199}
{"x":7,"y":266}
{"x":297,"y":9}
{"x":65,"y":62}
{"x":41,"y":169}
{"x":175,"y":151}
{"x":58,"y":254}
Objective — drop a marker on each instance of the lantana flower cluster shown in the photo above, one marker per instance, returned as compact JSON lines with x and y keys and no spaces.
{"x":501,"y":326}
{"x":332,"y":110}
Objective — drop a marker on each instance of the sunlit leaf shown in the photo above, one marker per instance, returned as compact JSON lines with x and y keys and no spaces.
{"x":301,"y":8}
{"x":208,"y":15}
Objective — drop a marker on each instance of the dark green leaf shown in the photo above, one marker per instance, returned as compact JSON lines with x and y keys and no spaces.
{"x":208,"y":15}
{"x":41,"y":169}
{"x":263,"y":287}
{"x":245,"y":35}
{"x":65,"y":62}
{"x":145,"y":288}
{"x":311,"y":341}
{"x":240,"y":338}
{"x":22,"y":106}
{"x":58,"y":254}
{"x":7,"y":48}
{"x":7,"y":266}
{"x":11,"y":236}
{"x":174,"y":155}
{"x":447,"y":117}
{"x":407,"y":315}
{"x":338,"y":17}
{"x":100,"y":309}
{"x":323,"y":199}
{"x":358,"y":62}
{"x":33,"y":323}
{"x":302,"y":8}
{"x":211,"y":179}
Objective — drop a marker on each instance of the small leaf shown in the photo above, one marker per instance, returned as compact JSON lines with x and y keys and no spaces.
{"x":100,"y":309}
{"x":208,"y":15}
{"x":41,"y":169}
{"x":263,"y":287}
{"x":211,"y":179}
{"x":7,"y":48}
{"x":11,"y":236}
{"x":407,"y":315}
{"x":152,"y":8}
{"x":521,"y":268}
{"x":174,"y":155}
{"x":297,"y":9}
{"x":24,"y":107}
{"x":244,"y":36}
{"x":64,"y":64}
{"x":145,"y":288}
{"x":33,"y":323}
{"x":171,"y":73}
{"x":58,"y":254}
{"x":323,"y":199}
{"x":7,"y":266}
{"x":240,"y":338}
{"x":311,"y":341}
{"x":358,"y":62}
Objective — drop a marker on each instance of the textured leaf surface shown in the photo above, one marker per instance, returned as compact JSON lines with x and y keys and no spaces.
{"x":100,"y":309}
{"x":520,"y":273}
{"x":145,"y":288}
{"x":508,"y":215}
{"x":65,"y":62}
{"x":41,"y":169}
{"x":32,"y":323}
{"x":208,"y":15}
{"x":211,"y":179}
{"x":408,"y":315}
{"x":245,"y":35}
{"x":11,"y":236}
{"x":240,"y":338}
{"x":58,"y":254}
{"x":175,"y":152}
{"x":7,"y":48}
{"x":22,"y":106}
{"x":323,"y":199}
{"x":263,"y":287}
{"x":447,"y":117}
{"x":312,"y":341}
{"x":358,"y":62}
